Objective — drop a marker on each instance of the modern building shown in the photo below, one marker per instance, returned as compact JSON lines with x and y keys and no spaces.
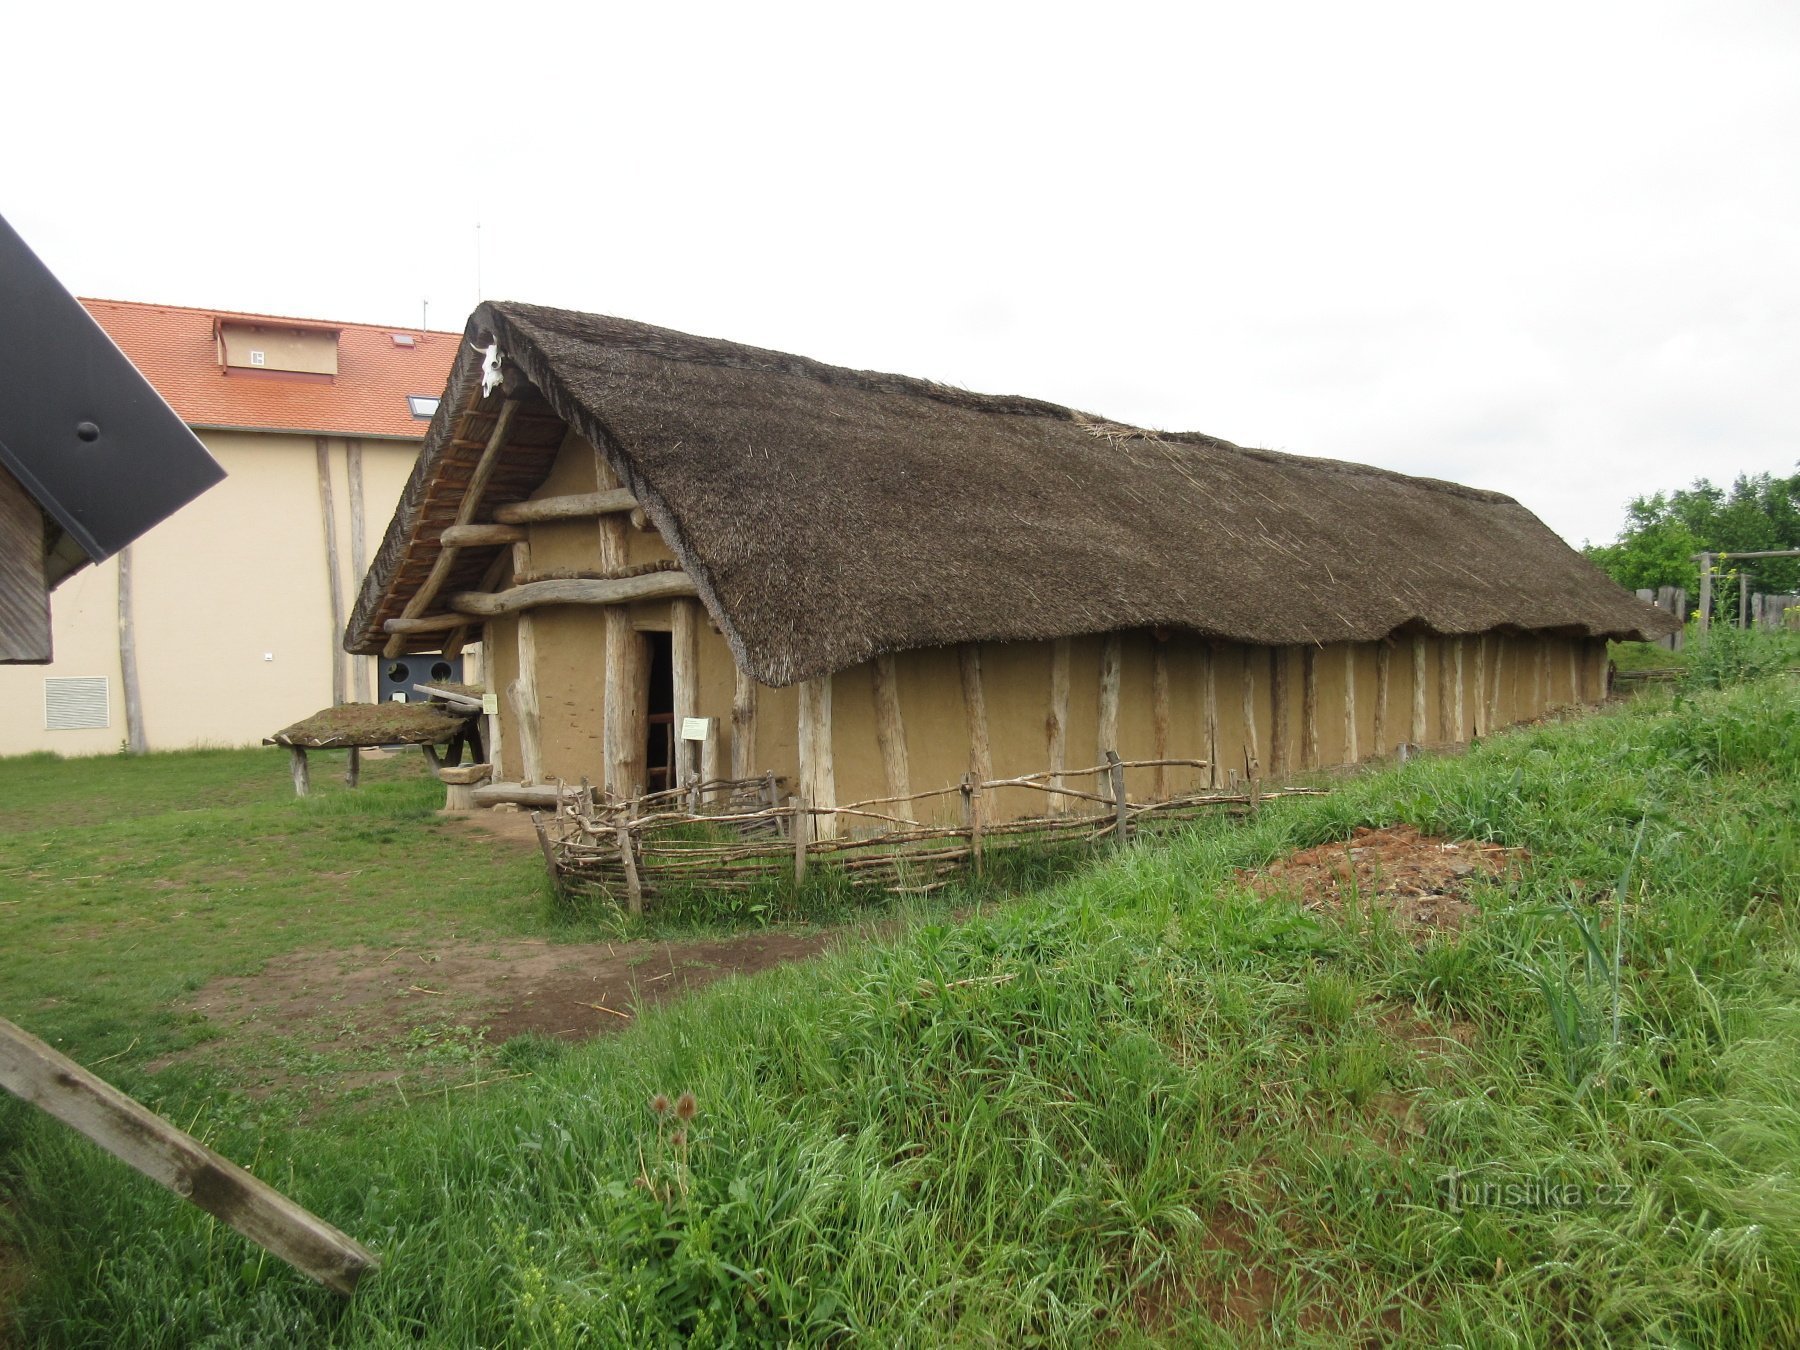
{"x":871,"y":585}
{"x":231,"y":610}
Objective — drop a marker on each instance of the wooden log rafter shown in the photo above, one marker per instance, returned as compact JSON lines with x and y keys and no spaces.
{"x":573,"y":591}
{"x":571,"y":506}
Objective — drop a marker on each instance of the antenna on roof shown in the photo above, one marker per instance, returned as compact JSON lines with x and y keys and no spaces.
{"x":424,"y":316}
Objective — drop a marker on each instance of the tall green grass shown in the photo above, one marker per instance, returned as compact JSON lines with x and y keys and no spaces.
{"x":1140,"y":1106}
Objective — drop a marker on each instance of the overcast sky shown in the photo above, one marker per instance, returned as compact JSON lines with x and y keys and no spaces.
{"x":1548,"y":248}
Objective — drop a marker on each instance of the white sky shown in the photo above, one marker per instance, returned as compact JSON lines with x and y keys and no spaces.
{"x":1548,"y":248}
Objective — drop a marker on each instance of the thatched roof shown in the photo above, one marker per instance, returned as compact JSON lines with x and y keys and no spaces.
{"x":827,"y":515}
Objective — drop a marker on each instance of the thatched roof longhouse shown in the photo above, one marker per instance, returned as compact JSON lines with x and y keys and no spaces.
{"x":827,"y":515}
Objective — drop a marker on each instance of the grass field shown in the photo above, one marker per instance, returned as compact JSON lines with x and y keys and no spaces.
{"x":1142,"y":1105}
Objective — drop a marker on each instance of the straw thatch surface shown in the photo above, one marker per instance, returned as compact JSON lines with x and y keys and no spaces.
{"x":827,"y":515}
{"x":364,"y":724}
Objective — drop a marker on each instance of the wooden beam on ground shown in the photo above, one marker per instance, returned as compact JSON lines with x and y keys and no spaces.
{"x":743,"y":724}
{"x":890,"y":733}
{"x":1112,"y":660}
{"x":481,"y":536}
{"x":574,"y":506}
{"x":1384,"y":680}
{"x":426,"y":594}
{"x":1309,"y":707}
{"x":975,"y":718}
{"x":1351,"y":749}
{"x":818,"y":772}
{"x":1159,"y":717}
{"x":627,"y":688}
{"x":684,"y":673}
{"x":25,"y":633}
{"x":1278,"y":712}
{"x":130,"y":688}
{"x":1056,"y":723}
{"x":144,"y":1141}
{"x":1417,"y":729}
{"x":333,"y":581}
{"x":574,"y":591}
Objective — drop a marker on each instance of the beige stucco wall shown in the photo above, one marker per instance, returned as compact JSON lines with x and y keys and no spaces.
{"x":232,"y":611}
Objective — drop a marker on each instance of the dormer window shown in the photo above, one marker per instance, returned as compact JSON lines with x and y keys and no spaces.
{"x":304,"y":350}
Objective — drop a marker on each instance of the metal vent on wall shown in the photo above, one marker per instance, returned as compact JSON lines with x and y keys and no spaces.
{"x":76,"y":703}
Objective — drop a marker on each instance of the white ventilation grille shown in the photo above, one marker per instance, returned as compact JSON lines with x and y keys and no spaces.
{"x":76,"y":703}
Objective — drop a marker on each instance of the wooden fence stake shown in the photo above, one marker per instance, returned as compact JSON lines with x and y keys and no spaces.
{"x":634,"y":885}
{"x":800,"y":832}
{"x":1121,"y":815}
{"x":537,"y":823}
{"x":971,"y":795}
{"x":143,"y":1140}
{"x":1253,"y":776}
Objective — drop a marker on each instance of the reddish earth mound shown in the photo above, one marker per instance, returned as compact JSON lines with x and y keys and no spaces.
{"x":1421,"y":881}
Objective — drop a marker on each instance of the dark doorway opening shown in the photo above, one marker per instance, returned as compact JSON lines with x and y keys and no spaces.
{"x":659,"y":752}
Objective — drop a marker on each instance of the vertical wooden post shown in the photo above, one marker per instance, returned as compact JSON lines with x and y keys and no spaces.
{"x":1418,"y":690}
{"x":1497,"y":706}
{"x":634,"y":881}
{"x":1351,"y":755}
{"x":353,"y":770}
{"x":297,"y":763}
{"x":627,"y":688}
{"x":709,"y":755}
{"x":1309,"y":707}
{"x":524,"y":692}
{"x":1112,"y":660}
{"x":1535,"y":654}
{"x":1248,"y":684}
{"x":890,"y":734}
{"x":684,"y":670}
{"x":1121,"y":804}
{"x":1577,"y":695}
{"x":1384,"y":681}
{"x":493,"y":744}
{"x":1547,"y":670}
{"x":322,"y":454}
{"x":1056,"y":724}
{"x":1278,"y":712}
{"x":1706,"y":591}
{"x":359,"y":556}
{"x":1253,"y":781}
{"x":801,"y":831}
{"x":1209,"y":711}
{"x":818,"y":773}
{"x":1159,"y":718}
{"x":135,"y":740}
{"x":1450,"y":690}
{"x":981,"y":758}
{"x":743,"y":724}
{"x":971,"y":802}
{"x":1481,"y":698}
{"x":550,"y":864}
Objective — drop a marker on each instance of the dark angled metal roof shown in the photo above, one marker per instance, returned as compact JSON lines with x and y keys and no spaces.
{"x":81,"y":430}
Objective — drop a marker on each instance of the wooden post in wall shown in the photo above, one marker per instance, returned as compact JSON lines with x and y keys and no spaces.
{"x":1547,"y":671}
{"x":135,"y":740}
{"x":1449,"y":692}
{"x":359,"y":555}
{"x":1481,"y":699}
{"x":1309,"y":707}
{"x":492,"y":740}
{"x":1247,"y":682}
{"x":1350,"y":746}
{"x":328,"y":512}
{"x":1209,"y":711}
{"x":1056,"y":724}
{"x":1278,"y":712}
{"x":1496,"y":700}
{"x":981,"y":757}
{"x":1418,"y":690}
{"x":1576,"y":694}
{"x":890,"y":734}
{"x":684,"y":670}
{"x":1159,"y":717}
{"x":627,"y":684}
{"x":818,"y":773}
{"x":1112,"y":660}
{"x":524,"y":693}
{"x":743,"y":724}
{"x":1384,"y":681}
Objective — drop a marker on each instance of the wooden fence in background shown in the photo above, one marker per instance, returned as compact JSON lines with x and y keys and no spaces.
{"x":736,"y":834}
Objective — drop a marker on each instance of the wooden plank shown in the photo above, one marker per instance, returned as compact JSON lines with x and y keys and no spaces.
{"x":1209,"y":711}
{"x":743,"y":724}
{"x":25,"y":632}
{"x":333,"y":580}
{"x":684,"y":670}
{"x":975,"y":718}
{"x":1309,"y":707}
{"x":422,"y":599}
{"x":1252,"y":751}
{"x":481,"y":536}
{"x":130,"y":687}
{"x":574,"y":506}
{"x":359,"y":555}
{"x":1159,"y":718}
{"x":574,"y":591}
{"x":1384,"y":684}
{"x":1056,"y":723}
{"x":1450,"y":690}
{"x":1351,"y":749}
{"x":1417,"y":736}
{"x":627,"y":689}
{"x":297,"y":766}
{"x":890,"y":731}
{"x":1112,"y":660}
{"x":1278,"y":712}
{"x":818,"y":773}
{"x":144,"y":1141}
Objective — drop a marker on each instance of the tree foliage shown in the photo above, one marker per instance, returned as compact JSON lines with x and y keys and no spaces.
{"x":1664,"y":530}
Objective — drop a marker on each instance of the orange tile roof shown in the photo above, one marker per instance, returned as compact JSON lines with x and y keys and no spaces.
{"x":173,"y":346}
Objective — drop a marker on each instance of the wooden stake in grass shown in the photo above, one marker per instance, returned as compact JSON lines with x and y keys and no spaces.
{"x":143,"y":1140}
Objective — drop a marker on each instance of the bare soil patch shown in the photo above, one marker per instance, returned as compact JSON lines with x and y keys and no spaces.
{"x":1421,"y":881}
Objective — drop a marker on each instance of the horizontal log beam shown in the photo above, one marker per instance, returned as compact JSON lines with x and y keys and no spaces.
{"x":480,"y":536}
{"x":427,"y":623}
{"x":576,"y":506}
{"x":574,"y":591}
{"x":497,"y":794}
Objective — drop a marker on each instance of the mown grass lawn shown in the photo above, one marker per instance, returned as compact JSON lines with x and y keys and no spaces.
{"x":1140,"y":1106}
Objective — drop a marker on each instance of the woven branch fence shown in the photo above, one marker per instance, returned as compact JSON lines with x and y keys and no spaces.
{"x":738,"y":834}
